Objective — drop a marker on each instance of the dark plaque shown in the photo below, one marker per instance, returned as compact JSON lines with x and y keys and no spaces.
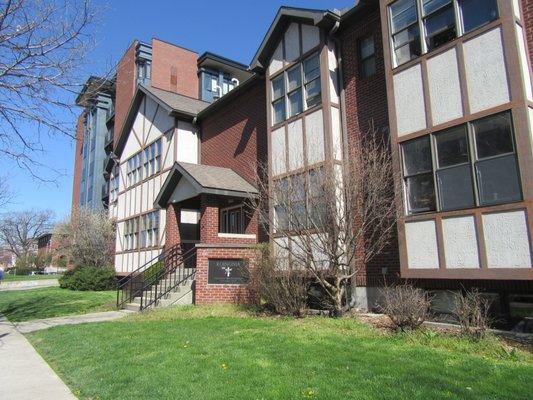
{"x":226,"y":271}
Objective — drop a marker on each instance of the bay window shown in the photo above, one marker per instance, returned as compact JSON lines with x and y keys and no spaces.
{"x":419,"y":26}
{"x":296,"y":89}
{"x":471,"y":165}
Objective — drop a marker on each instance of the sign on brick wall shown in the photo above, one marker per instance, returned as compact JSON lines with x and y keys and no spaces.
{"x":228,"y":271}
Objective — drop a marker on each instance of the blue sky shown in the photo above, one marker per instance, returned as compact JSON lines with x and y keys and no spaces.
{"x":232,"y":28}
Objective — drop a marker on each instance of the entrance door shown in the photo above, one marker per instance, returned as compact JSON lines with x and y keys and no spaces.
{"x":189,"y":234}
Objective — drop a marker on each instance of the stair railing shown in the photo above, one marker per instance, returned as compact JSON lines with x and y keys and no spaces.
{"x":132,"y":284}
{"x":178,"y":269}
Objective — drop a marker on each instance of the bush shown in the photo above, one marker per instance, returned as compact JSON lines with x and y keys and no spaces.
{"x":278,"y":287}
{"x":406,"y":306}
{"x":472,"y":312}
{"x":89,"y":278}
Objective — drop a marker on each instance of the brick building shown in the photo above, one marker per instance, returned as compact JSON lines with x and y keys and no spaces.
{"x":448,"y":82}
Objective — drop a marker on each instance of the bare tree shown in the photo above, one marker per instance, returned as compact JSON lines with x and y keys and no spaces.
{"x":6,"y":195}
{"x":87,"y":238}
{"x":19,"y":231}
{"x":331,"y":221}
{"x":42,"y":44}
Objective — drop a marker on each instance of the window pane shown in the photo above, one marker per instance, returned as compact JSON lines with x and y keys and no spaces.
{"x":407,"y":45}
{"x":368,"y":68}
{"x":312,"y":93}
{"x":452,"y":147}
{"x":498,"y":180}
{"x":294,"y":78}
{"x":295,"y":103}
{"x":367,"y":47}
{"x":278,"y":111}
{"x":417,"y":156}
{"x":493,"y":135}
{"x":440,"y":28}
{"x":431,"y":5}
{"x":311,"y":68}
{"x":455,"y":187}
{"x":278,"y":88}
{"x":477,"y":12}
{"x":420,"y":193}
{"x":403,"y":13}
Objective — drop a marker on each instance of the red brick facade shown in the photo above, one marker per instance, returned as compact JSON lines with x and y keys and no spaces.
{"x":78,"y":159}
{"x":125,"y":88}
{"x":527,"y":12}
{"x":174,"y":69}
{"x":366,"y":109}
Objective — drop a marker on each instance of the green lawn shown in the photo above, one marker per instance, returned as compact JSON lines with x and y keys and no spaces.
{"x":223,"y":353}
{"x":12,"y":278}
{"x":24,"y":305}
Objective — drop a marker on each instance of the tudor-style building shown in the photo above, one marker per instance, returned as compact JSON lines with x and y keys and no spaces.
{"x":450,"y":82}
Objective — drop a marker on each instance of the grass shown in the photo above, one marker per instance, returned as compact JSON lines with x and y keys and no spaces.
{"x":24,"y":305}
{"x":225,"y":353}
{"x":12,"y":278}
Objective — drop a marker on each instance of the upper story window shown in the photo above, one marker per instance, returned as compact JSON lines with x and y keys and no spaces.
{"x":419,"y":26}
{"x":296,"y":89}
{"x":113,"y":187}
{"x":367,"y":57}
{"x":473,"y":164}
{"x":147,"y":160}
{"x":143,"y":71}
{"x":134,"y":169}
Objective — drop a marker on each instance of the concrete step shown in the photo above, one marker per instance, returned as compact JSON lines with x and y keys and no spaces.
{"x":178,"y":299}
{"x":132,"y":306}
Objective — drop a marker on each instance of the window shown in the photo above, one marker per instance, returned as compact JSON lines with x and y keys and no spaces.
{"x":474,"y":165}
{"x":233,"y":220}
{"x":143,"y":71}
{"x":152,"y":159}
{"x":142,"y":232}
{"x":289,"y":96}
{"x":113,"y":186}
{"x":439,"y":21}
{"x":367,"y":57}
{"x":278,"y":97}
{"x":312,"y":81}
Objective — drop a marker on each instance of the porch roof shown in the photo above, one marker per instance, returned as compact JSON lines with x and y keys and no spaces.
{"x":201,"y":179}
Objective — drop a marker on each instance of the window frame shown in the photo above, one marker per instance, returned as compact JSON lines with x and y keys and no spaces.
{"x":224,"y":216}
{"x":363,"y":59}
{"x":473,"y":160}
{"x":421,"y":19}
{"x":284,"y":98}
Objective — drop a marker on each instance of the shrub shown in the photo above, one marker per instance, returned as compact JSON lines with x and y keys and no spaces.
{"x":89,"y":278}
{"x":406,"y":306}
{"x":472,"y":312}
{"x":277,"y":286}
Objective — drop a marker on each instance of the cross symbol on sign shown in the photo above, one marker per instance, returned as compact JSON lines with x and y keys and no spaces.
{"x":228,"y":271}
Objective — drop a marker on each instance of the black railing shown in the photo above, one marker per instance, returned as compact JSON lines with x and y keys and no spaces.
{"x":178,"y":269}
{"x":157,"y":277}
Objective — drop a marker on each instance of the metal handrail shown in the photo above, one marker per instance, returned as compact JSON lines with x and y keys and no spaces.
{"x":174,"y":274}
{"x":130,"y":285}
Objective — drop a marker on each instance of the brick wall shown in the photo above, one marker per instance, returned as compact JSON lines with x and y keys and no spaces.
{"x":366,"y":107}
{"x":172,"y":233}
{"x":527,"y":11}
{"x":209,"y":293}
{"x":78,"y":161}
{"x":174,"y":69}
{"x":125,"y":88}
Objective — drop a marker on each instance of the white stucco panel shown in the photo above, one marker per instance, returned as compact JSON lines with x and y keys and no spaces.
{"x":310,"y":37}
{"x":295,"y":145}
{"x":314,"y":136}
{"x":292,"y":42}
{"x":444,"y":87}
{"x":278,"y":151}
{"x":421,"y":238}
{"x":336,"y":133}
{"x":276,"y":62}
{"x":333,"y":73}
{"x":486,"y":74}
{"x":158,"y":124}
{"x":460,"y":242}
{"x":507,"y":240}
{"x":187,"y":143}
{"x":167,"y":151}
{"x":409,"y":100}
{"x":516,"y":8}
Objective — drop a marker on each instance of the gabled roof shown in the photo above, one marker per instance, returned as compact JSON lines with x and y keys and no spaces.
{"x":174,"y":104}
{"x":205,"y":179}
{"x":285,"y":15}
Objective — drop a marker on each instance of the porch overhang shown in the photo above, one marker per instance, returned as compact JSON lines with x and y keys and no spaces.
{"x":186,"y":181}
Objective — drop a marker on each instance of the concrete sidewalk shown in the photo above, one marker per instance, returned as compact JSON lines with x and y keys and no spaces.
{"x":25,"y":375}
{"x":38,"y":324}
{"x":25,"y":285}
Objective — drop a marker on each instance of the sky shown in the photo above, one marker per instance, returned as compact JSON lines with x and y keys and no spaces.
{"x":231,"y":28}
